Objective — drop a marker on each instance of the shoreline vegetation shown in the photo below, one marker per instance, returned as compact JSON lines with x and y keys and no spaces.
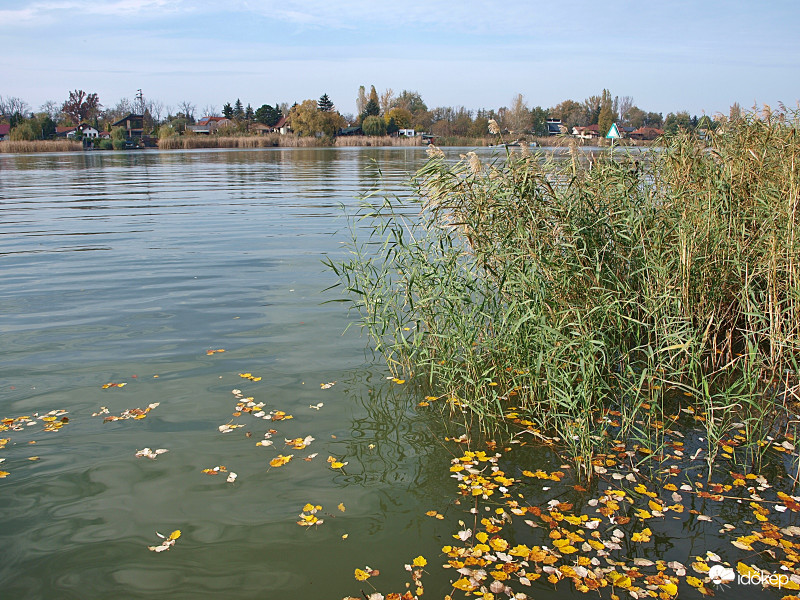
{"x":547,"y":293}
{"x":188,"y":142}
{"x":637,"y":316}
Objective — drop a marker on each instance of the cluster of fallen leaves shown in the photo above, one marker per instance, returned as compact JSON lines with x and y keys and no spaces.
{"x":605,"y":543}
{"x":131,"y":413}
{"x":167,"y":543}
{"x":609,"y":538}
{"x":50,"y":421}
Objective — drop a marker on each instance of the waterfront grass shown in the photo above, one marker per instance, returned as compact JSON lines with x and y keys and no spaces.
{"x":14,"y":147}
{"x":590,"y":304}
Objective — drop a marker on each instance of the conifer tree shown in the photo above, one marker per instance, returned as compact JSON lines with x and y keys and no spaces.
{"x":324,"y":104}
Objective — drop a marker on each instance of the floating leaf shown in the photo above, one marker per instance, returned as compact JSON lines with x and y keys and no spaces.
{"x":335,"y":463}
{"x":280,"y":460}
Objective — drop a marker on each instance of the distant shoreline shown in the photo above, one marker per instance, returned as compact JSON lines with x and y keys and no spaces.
{"x":189,"y":142}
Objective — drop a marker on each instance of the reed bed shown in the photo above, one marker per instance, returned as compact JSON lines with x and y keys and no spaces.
{"x":189,"y":142}
{"x":593,"y":304}
{"x":385,"y":140}
{"x":13,"y":147}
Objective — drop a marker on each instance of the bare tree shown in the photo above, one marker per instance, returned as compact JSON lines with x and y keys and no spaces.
{"x":386,"y":101}
{"x":52,"y":109}
{"x":119,"y":110}
{"x":156,"y":109}
{"x":622,"y":104}
{"x":187,"y":108}
{"x":12,"y":105}
{"x":209,"y":110}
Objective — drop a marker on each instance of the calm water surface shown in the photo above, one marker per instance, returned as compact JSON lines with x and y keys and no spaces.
{"x":127,"y":268}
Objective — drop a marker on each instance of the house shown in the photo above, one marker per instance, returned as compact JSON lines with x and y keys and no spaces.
{"x":64,"y":130}
{"x":4,"y":131}
{"x":351,"y":130}
{"x":646,"y":133}
{"x":209,"y":125}
{"x":586,"y":133}
{"x":554,"y":127}
{"x":283,"y":126}
{"x":261,"y":129}
{"x":86,"y":130}
{"x":406,"y":133}
{"x":132,"y":124}
{"x":71,"y":131}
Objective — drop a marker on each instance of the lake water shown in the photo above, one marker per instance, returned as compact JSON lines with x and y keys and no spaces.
{"x":128,"y":268}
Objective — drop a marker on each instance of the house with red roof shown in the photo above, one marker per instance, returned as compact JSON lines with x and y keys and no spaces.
{"x":586,"y":133}
{"x":209,"y":125}
{"x":4,"y":131}
{"x":646,"y":133}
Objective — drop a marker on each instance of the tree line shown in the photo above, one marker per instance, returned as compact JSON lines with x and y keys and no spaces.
{"x":376,"y":114}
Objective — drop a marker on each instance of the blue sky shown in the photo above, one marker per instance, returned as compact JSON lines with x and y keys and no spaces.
{"x":700,"y":56}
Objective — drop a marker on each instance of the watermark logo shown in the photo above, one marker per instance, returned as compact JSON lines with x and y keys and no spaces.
{"x":725,"y":576}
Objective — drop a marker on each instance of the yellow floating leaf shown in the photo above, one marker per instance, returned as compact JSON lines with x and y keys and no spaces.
{"x":280,"y":460}
{"x":420,"y":561}
{"x":361,"y":575}
{"x":4,"y":474}
{"x":341,"y":506}
{"x":670,"y":588}
{"x":642,"y":536}
{"x":335,"y":463}
{"x":174,"y":535}
{"x":746,"y":571}
{"x":498,"y":544}
{"x":694,"y":581}
{"x":464,"y":584}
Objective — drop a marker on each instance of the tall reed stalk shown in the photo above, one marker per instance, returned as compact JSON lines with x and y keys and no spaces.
{"x":591,"y":304}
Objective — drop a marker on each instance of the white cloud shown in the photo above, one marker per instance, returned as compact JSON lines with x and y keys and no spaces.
{"x":55,"y":11}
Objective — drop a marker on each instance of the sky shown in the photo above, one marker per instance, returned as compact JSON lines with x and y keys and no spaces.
{"x":700,"y":55}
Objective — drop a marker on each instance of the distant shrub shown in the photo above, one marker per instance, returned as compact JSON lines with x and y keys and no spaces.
{"x":166,"y":131}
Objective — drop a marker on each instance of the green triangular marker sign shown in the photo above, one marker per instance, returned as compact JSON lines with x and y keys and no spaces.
{"x":613,"y":133}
